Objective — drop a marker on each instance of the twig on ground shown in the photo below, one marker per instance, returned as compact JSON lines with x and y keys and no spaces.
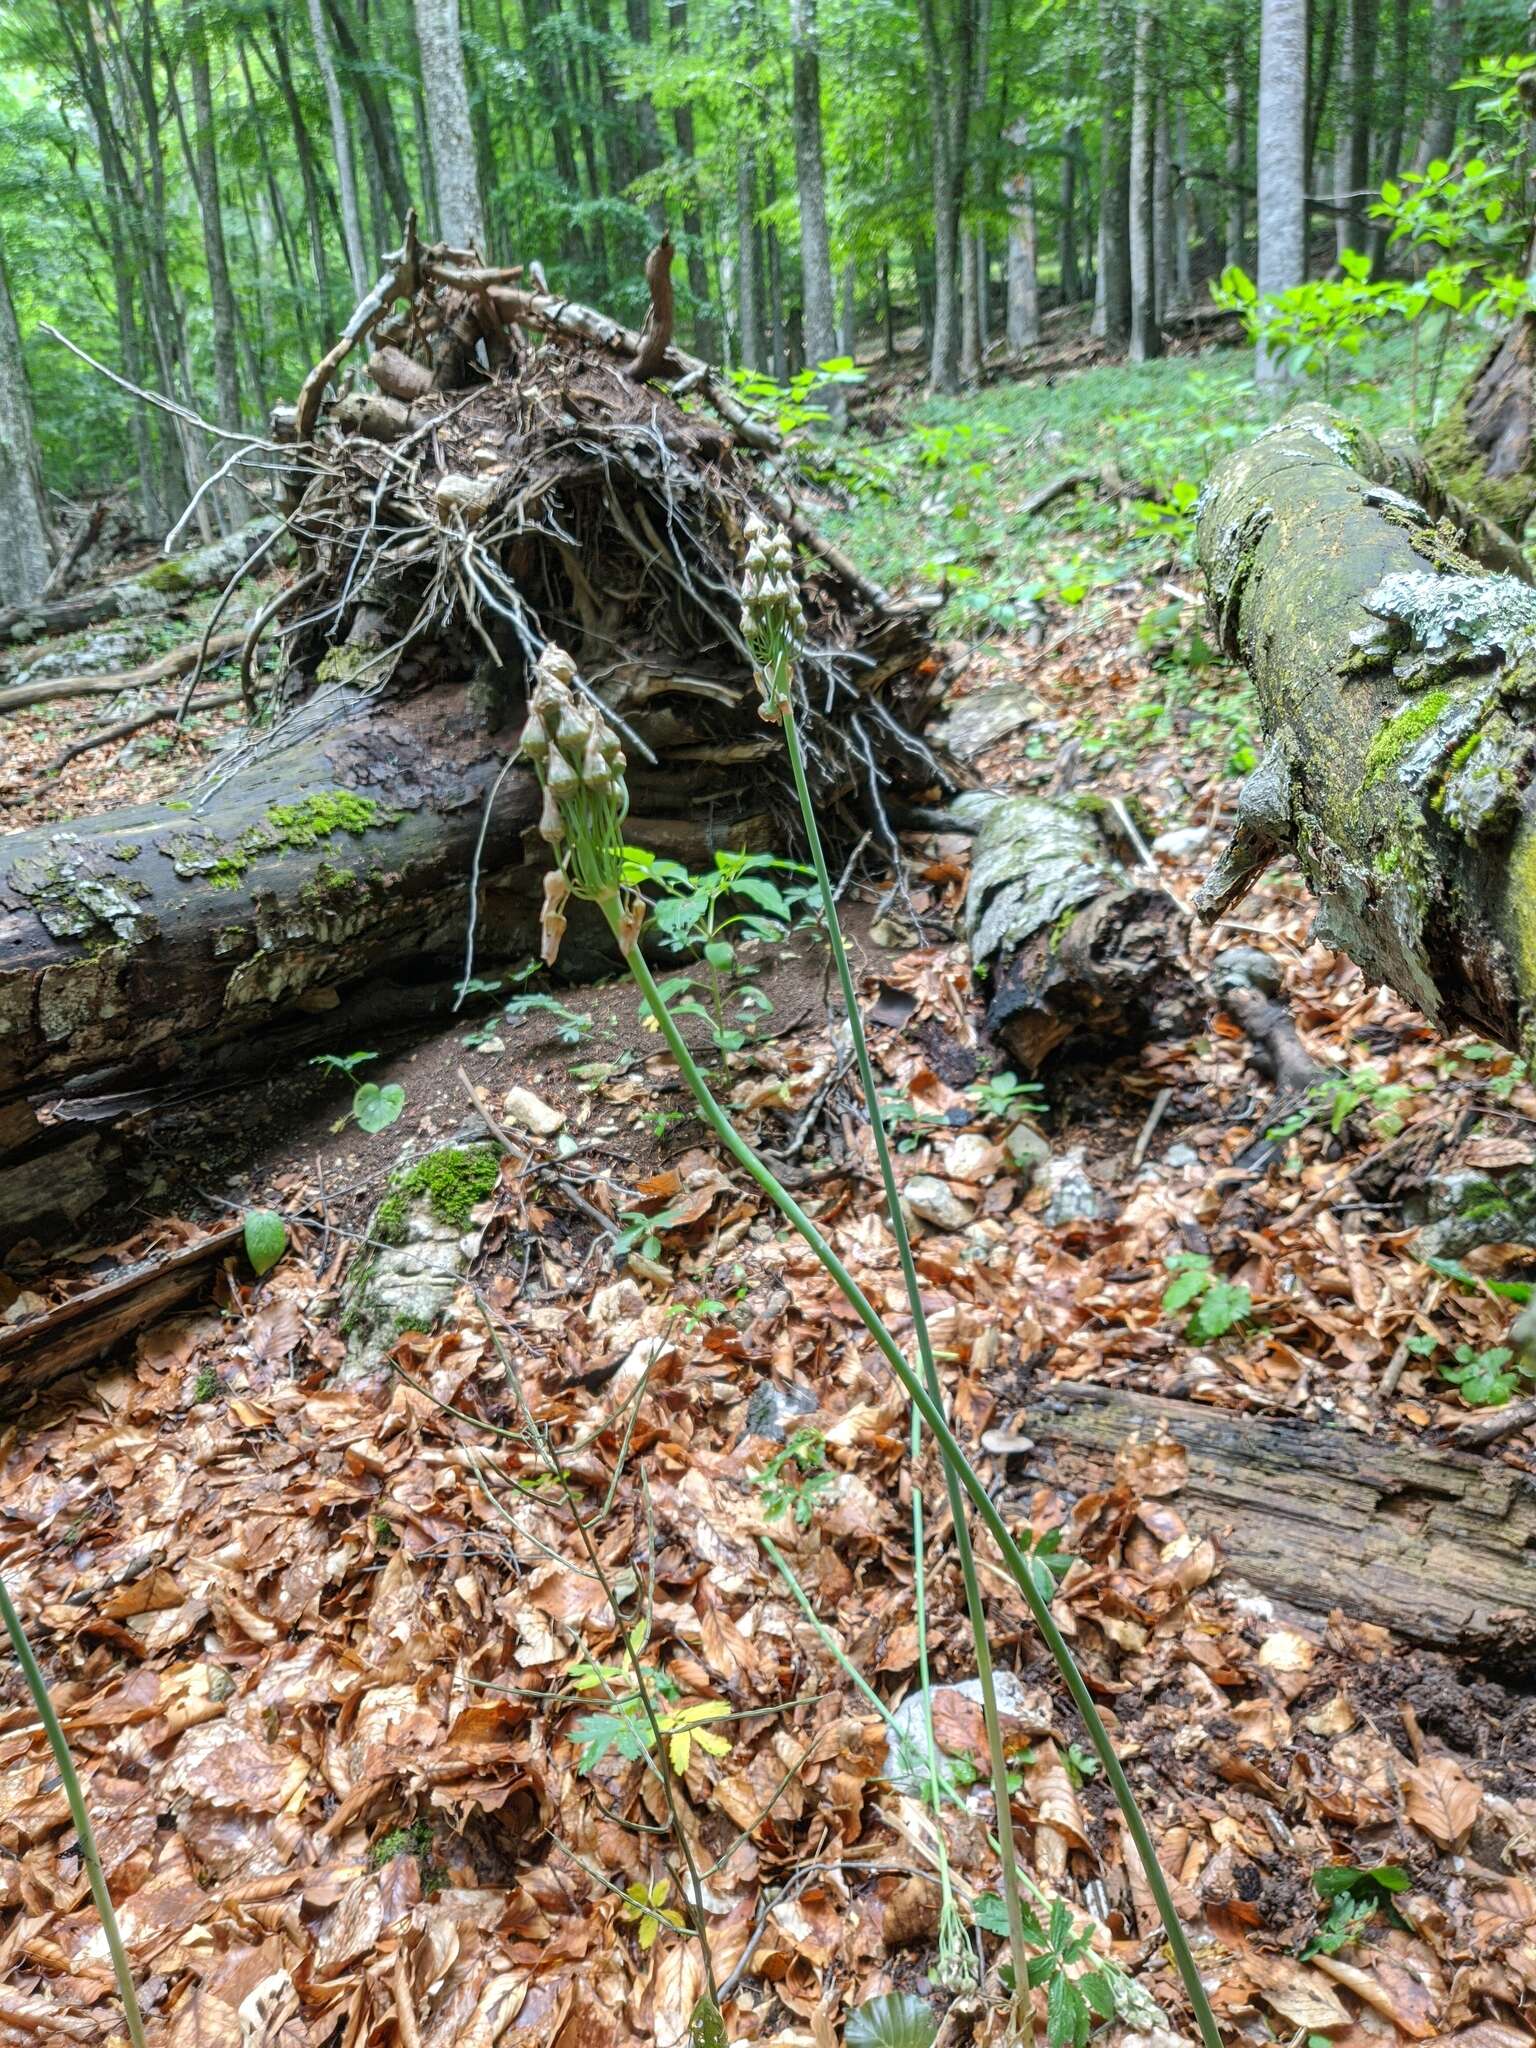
{"x":128,"y":726}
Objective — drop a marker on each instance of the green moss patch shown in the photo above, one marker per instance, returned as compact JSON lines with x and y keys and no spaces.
{"x":452,"y":1181}
{"x":1394,"y":739}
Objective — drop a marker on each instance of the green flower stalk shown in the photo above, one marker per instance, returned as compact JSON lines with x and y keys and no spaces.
{"x":585,"y":830}
{"x":37,"y":1686}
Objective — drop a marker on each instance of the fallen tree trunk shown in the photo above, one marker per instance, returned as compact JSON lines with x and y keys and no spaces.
{"x":1395,"y":675}
{"x":115,"y":681}
{"x":152,"y":591}
{"x":1073,"y":947}
{"x":1433,"y":1544}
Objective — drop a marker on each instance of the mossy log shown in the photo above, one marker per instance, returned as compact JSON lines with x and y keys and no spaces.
{"x":1396,"y":677}
{"x":1074,"y":947}
{"x":160,"y":588}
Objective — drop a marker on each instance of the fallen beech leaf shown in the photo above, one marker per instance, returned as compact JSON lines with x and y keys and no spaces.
{"x":1440,"y":1798}
{"x":1296,"y":1992}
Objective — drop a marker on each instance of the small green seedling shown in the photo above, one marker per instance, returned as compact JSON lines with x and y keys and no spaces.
{"x":1354,"y":1898}
{"x":1005,"y":1096}
{"x":571,"y":1026}
{"x":373,"y":1108}
{"x":796,"y":1477}
{"x":1218,"y":1306}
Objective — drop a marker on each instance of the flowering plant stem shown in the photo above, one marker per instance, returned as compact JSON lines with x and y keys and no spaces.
{"x":955,"y":1461}
{"x":964,"y":1550}
{"x":37,"y":1687}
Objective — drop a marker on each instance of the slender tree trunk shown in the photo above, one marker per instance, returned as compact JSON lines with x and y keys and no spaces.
{"x":847,"y":319}
{"x":341,"y":150}
{"x":749,"y":313}
{"x":887,"y":311}
{"x":1162,"y":214}
{"x":1237,"y":150}
{"x":1322,"y":39}
{"x":221,"y":294}
{"x":1183,"y":225}
{"x":1391,"y":157}
{"x":1145,"y":335}
{"x":1112,"y":309}
{"x":818,"y":311}
{"x":1357,"y":79}
{"x":373,"y":98}
{"x":460,"y":219}
{"x":1282,"y":157}
{"x":303,"y":150}
{"x":948,"y":105}
{"x":705,"y":342}
{"x":24,"y":536}
{"x":1066,"y":221}
{"x":970,"y":346}
{"x":1447,"y":26}
{"x":1023,"y":249}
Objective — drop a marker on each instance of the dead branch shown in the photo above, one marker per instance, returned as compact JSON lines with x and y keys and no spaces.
{"x":128,"y":726}
{"x":656,"y":335}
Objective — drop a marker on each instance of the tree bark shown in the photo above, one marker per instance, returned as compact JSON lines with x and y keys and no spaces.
{"x":25,"y":546}
{"x":819,"y":312}
{"x":1282,"y":158}
{"x":461,"y":220}
{"x":1071,"y":282}
{"x":1146,"y":339}
{"x":1352,"y":155}
{"x":1428,"y":1542}
{"x":1112,"y":310}
{"x":1182,"y":289}
{"x":341,"y":149}
{"x":221,"y":292}
{"x":1447,"y":26}
{"x":1023,"y":248}
{"x":749,"y":314}
{"x":1394,"y":698}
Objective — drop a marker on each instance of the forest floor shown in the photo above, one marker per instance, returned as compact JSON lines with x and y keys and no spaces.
{"x":353,"y":1711}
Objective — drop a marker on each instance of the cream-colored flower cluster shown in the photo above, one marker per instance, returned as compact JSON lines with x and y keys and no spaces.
{"x":580,"y":765}
{"x":772,"y":621}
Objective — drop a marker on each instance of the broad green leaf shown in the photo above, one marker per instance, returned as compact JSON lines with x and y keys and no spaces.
{"x":1221,"y":1309}
{"x":898,"y":2020}
{"x":266,"y":1239}
{"x":757,"y":890}
{"x":377,"y":1108}
{"x":706,"y":2029}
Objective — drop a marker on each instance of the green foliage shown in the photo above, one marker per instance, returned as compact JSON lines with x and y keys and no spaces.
{"x":266,"y":1239}
{"x":571,"y":1026}
{"x":897,"y":2019}
{"x":697,"y":914}
{"x":207,"y":1386}
{"x":374,"y":1108}
{"x":1003,"y":1097}
{"x":1354,"y":1897}
{"x":1334,"y":1101}
{"x":453,"y":1181}
{"x":1218,"y":1306}
{"x":796,"y":1477}
{"x":1487,"y":1378}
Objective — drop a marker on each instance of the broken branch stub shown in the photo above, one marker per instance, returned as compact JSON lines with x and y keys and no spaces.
{"x":1395,"y":676}
{"x":1073,"y":947}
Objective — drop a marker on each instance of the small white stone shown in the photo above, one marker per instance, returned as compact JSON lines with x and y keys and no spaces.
{"x":934,"y":1201}
{"x":971,"y":1157}
{"x":522,"y":1107}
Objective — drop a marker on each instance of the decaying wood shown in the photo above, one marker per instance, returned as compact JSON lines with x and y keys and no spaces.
{"x":1395,"y":680}
{"x":1074,"y":948}
{"x":1429,"y":1542}
{"x":146,"y":595}
{"x":656,"y":335}
{"x":41,"y":1349}
{"x":110,"y":684}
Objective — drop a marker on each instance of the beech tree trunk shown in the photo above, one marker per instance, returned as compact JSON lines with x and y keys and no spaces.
{"x":341,"y":149}
{"x":1145,"y":336}
{"x":1395,"y":693}
{"x":1282,"y":157}
{"x":24,"y":543}
{"x":461,"y":220}
{"x":1237,"y":150}
{"x":818,"y":305}
{"x":1023,"y":248}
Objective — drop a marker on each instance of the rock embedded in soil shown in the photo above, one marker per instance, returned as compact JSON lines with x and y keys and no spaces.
{"x":1022,"y":1710}
{"x":1028,"y":1151}
{"x":1073,"y":1198}
{"x":772,"y":1410}
{"x":933,"y":1201}
{"x":530,"y":1112}
{"x":422,"y":1242}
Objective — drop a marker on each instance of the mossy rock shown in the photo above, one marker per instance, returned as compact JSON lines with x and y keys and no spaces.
{"x":418,"y":1251}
